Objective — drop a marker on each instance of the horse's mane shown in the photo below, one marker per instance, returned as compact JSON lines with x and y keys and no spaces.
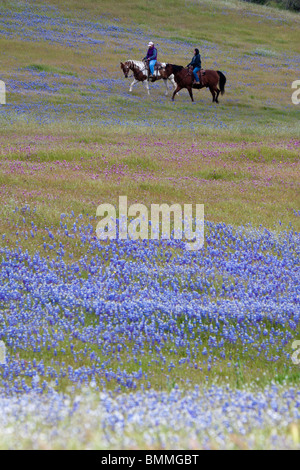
{"x":140,"y":64}
{"x":137,"y":63}
{"x":176,"y":68}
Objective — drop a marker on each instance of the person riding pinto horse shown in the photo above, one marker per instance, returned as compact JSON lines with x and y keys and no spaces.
{"x":151,"y":58}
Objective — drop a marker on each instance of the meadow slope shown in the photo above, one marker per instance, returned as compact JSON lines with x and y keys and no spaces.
{"x":144,"y":344}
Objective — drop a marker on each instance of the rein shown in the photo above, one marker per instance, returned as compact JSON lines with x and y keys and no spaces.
{"x":136,"y":69}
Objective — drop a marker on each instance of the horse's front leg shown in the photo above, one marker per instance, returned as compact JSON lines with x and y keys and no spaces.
{"x":191,"y":93}
{"x":173,"y":83}
{"x":178,"y":88}
{"x":132,"y":85}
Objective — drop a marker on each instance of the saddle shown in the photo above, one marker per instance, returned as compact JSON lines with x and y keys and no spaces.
{"x":201,"y":74}
{"x":157,"y":66}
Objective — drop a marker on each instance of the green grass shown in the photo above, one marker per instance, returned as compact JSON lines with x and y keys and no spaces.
{"x":215,"y":25}
{"x":264,"y":53}
{"x":49,"y":69}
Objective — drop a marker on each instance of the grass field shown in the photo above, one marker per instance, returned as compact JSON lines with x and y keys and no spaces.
{"x":143,"y":344}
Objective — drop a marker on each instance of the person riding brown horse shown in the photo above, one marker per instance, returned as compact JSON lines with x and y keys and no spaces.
{"x":195,"y":65}
{"x":214,"y":80}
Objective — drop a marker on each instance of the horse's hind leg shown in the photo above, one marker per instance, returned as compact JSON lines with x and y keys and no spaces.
{"x":147,"y":86}
{"x":211,"y":89}
{"x":166,"y":85}
{"x":218,"y":92}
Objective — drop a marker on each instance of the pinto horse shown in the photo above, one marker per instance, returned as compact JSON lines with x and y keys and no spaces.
{"x":184,"y":78}
{"x":140,"y":73}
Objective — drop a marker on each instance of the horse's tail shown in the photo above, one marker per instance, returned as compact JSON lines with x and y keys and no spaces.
{"x":222,"y":82}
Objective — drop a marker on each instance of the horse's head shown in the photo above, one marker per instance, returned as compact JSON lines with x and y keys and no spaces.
{"x":125,"y":67}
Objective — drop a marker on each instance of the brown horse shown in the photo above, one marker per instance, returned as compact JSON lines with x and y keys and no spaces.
{"x":214,"y":80}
